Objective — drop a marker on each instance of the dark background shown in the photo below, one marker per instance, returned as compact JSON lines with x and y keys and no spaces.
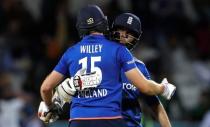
{"x":175,"y":44}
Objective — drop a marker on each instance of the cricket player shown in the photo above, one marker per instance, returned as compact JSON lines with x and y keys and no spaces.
{"x":126,"y":29}
{"x":99,"y":105}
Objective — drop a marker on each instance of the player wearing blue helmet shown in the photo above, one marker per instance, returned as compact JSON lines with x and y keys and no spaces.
{"x":97,"y":105}
{"x":129,"y":23}
{"x":126,"y":29}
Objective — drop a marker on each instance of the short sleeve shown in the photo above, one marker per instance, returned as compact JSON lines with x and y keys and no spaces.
{"x":126,"y":59}
{"x":62,"y":66}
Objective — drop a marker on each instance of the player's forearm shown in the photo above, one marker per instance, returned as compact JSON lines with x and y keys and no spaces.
{"x":153,"y":88}
{"x":51,"y":81}
{"x":162,"y":116}
{"x":148,"y":87}
{"x":46,"y":94}
{"x":46,"y":90}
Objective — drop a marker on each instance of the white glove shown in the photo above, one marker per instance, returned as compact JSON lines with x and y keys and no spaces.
{"x":80,"y":81}
{"x":46,"y":114}
{"x":66,"y":90}
{"x":58,"y":99}
{"x":169,"y":89}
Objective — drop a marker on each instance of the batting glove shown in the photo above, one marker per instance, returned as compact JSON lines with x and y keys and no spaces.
{"x":169,"y":89}
{"x":49,"y":114}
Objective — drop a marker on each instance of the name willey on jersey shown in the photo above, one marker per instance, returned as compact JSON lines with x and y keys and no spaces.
{"x":90,"y":48}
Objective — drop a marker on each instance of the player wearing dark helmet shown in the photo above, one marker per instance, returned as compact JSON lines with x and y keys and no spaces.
{"x":94,"y":20}
{"x":126,"y":29}
{"x":99,"y":105}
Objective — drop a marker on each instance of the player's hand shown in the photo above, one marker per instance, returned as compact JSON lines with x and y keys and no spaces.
{"x":169,"y":89}
{"x":49,"y":114}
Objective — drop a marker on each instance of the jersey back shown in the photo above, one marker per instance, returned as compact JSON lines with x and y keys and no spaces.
{"x":96,"y":53}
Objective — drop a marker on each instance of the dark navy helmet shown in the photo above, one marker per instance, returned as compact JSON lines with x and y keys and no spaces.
{"x":91,"y":18}
{"x":130,"y":23}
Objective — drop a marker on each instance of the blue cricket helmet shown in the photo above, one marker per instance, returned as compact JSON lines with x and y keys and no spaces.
{"x":129,"y":22}
{"x":91,"y":18}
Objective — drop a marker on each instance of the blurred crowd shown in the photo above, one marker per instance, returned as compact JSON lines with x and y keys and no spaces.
{"x":175,"y":43}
